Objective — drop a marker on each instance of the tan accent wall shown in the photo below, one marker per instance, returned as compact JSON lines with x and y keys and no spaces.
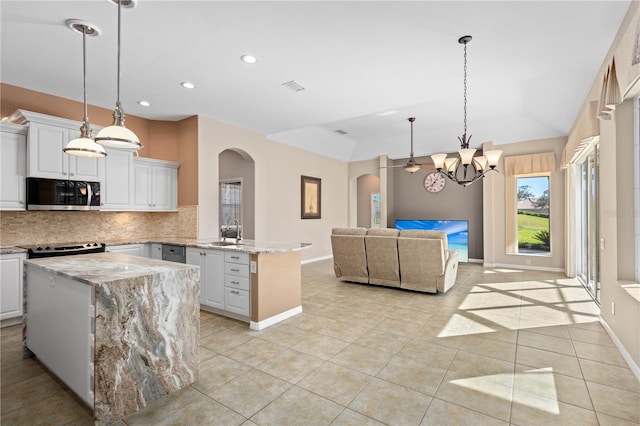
{"x":276,"y":287}
{"x":187,"y":151}
{"x":40,"y":227}
{"x":163,"y":140}
{"x":278,"y":168}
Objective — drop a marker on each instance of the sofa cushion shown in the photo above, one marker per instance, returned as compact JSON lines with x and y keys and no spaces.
{"x":382,"y":260}
{"x":383,"y":232}
{"x":423,"y":233}
{"x":349,"y":231}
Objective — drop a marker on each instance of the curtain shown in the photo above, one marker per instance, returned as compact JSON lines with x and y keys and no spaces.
{"x":529,"y":164}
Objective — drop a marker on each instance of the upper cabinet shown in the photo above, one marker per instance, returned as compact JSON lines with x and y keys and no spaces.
{"x":117,"y":189}
{"x":47,"y":137}
{"x":13,"y":164}
{"x":155,"y":184}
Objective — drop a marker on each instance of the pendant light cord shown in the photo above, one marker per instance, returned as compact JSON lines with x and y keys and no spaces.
{"x":84,"y":72}
{"x":118,"y":104}
{"x":465,"y":88}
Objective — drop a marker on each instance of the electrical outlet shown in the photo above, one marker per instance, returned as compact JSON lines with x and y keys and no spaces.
{"x":613,"y":308}
{"x":131,"y":228}
{"x":601,"y":243}
{"x":527,"y":261}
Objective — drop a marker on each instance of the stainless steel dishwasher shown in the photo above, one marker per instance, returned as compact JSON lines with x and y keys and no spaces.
{"x":174,"y":253}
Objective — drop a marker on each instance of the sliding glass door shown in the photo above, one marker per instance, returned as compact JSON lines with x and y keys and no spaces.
{"x":589,"y":262}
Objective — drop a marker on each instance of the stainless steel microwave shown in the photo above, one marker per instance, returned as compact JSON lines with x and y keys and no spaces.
{"x":59,"y":194}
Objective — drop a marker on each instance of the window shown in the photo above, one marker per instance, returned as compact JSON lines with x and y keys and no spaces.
{"x":588,"y":262}
{"x":230,"y":205}
{"x":375,"y":210}
{"x":533,"y":234}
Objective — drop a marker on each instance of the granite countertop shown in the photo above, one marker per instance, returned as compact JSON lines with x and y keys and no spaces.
{"x":100,"y":268}
{"x":11,"y":249}
{"x":248,"y":246}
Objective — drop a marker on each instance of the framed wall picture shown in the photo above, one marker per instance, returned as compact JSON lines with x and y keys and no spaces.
{"x":310,"y":197}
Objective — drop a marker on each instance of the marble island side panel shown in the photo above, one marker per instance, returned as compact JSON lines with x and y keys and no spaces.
{"x":146,"y":327}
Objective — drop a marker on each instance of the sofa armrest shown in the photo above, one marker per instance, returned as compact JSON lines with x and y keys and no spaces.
{"x":450,"y":272}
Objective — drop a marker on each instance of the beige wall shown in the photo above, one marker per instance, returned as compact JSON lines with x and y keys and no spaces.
{"x":278,"y":169}
{"x":367,"y":185}
{"x":494,"y":210}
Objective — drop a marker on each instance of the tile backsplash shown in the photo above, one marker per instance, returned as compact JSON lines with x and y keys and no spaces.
{"x":37,"y":227}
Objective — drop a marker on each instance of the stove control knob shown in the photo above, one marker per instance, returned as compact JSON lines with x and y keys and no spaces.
{"x":39,"y":249}
{"x":95,"y":244}
{"x":47,"y":248}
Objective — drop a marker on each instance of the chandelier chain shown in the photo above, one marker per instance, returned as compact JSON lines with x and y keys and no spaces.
{"x":465,"y":88}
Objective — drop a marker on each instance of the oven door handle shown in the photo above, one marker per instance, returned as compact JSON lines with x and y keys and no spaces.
{"x":89,"y":194}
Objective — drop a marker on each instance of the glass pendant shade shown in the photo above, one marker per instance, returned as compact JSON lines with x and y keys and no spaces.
{"x":118,"y":137}
{"x":493,"y":157}
{"x":438,"y":160}
{"x":412,"y":169}
{"x":466,"y":155}
{"x":481,"y":162}
{"x":85,"y":147}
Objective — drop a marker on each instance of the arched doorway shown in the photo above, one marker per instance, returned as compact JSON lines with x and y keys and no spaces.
{"x":236,"y":175}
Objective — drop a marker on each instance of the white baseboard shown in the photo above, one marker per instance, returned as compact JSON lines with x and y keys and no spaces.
{"x":261,"y":325}
{"x":623,"y":351}
{"x":316,"y":259}
{"x":475,"y":260}
{"x":527,"y":267}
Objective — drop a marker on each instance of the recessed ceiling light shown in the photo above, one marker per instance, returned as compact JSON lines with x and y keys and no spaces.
{"x":188,"y":85}
{"x":144,"y":103}
{"x":248,"y":59}
{"x":382,"y":114}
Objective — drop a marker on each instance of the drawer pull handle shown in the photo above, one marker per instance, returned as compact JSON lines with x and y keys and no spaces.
{"x":235,"y":282}
{"x":235,"y":292}
{"x":235,"y":257}
{"x":235,"y":270}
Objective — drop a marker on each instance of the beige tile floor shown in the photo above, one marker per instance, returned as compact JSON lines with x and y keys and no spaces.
{"x":502,"y":347}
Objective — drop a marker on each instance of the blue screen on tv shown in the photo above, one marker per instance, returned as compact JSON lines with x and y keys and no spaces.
{"x":457,"y":232}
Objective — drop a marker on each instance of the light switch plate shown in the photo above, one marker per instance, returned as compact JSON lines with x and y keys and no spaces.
{"x":254,"y":266}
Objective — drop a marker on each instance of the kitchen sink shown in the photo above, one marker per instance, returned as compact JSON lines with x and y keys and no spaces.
{"x":223,"y":243}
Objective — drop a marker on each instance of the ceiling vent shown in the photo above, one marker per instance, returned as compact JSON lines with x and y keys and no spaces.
{"x":340,"y":132}
{"x":293,"y":85}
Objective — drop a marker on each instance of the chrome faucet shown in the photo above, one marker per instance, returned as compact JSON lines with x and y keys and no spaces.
{"x":238,"y":231}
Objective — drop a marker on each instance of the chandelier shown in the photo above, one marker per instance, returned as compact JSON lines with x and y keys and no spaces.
{"x":466,"y":168}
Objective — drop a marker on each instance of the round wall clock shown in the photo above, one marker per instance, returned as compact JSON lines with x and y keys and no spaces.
{"x":434,"y":182}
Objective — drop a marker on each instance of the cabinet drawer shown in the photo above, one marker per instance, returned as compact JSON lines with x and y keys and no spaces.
{"x":236,"y":269}
{"x":235,"y":282}
{"x":235,"y":257}
{"x":236,"y":301}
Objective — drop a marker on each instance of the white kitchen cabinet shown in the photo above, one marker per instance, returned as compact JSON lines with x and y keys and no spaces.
{"x":11,"y":285}
{"x":130,"y":249}
{"x":155,"y":251}
{"x":155,"y":185}
{"x":237,"y":283}
{"x":47,"y":136}
{"x":116,"y":191}
{"x":13,"y":166}
{"x":211,"y":263}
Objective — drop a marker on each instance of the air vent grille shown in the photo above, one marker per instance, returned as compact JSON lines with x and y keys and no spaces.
{"x":293,"y":85}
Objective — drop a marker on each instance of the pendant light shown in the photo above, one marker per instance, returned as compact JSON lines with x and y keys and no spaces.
{"x":84,"y":146}
{"x":466,"y":156}
{"x":117,"y":136}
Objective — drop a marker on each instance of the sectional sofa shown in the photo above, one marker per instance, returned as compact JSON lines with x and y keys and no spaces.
{"x":409,"y":259}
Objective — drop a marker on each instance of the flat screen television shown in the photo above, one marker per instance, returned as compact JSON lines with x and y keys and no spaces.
{"x":457,"y":232}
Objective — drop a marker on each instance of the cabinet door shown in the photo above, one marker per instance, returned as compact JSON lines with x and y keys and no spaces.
{"x":46,"y":158}
{"x":11,"y":285}
{"x":161,"y":188}
{"x":196,"y":257}
{"x":237,"y":301}
{"x":142,"y":187}
{"x":130,"y":249}
{"x":115,"y":193}
{"x":13,"y":163}
{"x":156,"y":251}
{"x":214,"y":284}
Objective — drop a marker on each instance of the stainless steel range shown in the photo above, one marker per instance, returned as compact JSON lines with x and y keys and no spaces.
{"x":39,"y":251}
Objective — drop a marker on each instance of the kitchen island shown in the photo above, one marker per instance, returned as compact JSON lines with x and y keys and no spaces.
{"x":121,"y":331}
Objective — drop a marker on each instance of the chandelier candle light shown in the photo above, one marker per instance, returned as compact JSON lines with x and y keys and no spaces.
{"x":84,"y":146}
{"x":117,"y":136}
{"x":465,"y":156}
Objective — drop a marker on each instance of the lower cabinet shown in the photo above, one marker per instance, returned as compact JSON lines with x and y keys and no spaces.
{"x":11,"y":285}
{"x":224,"y":281}
{"x":211,"y":263}
{"x":156,"y":251}
{"x":130,"y":249}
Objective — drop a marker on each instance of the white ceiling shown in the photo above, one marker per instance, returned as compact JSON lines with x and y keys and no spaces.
{"x":531,"y":64}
